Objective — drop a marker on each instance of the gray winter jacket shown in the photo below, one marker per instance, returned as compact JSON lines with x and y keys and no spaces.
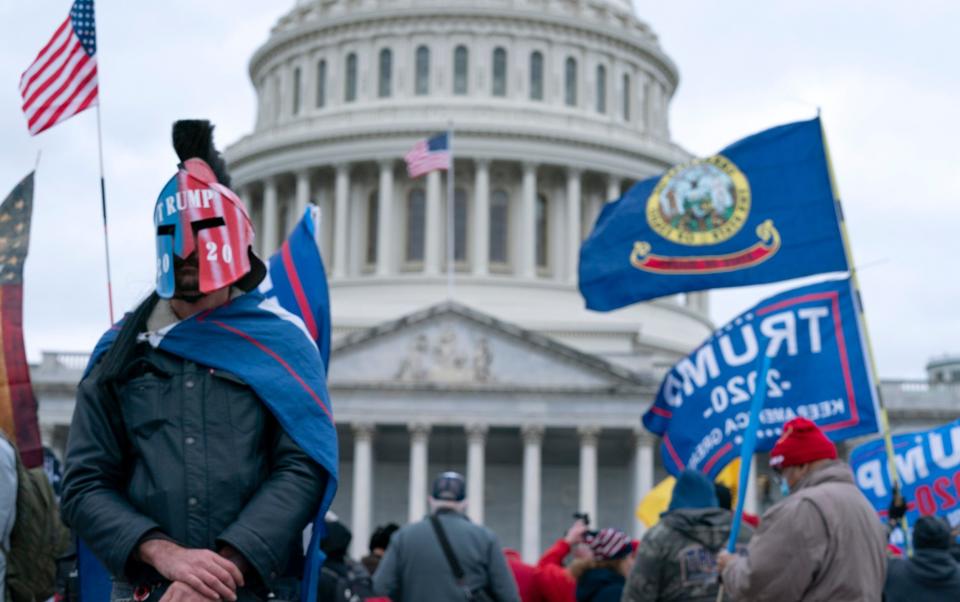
{"x":8,"y":505}
{"x":414,"y":568}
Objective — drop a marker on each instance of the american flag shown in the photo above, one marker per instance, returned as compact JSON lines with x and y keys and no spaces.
{"x":62,"y":81}
{"x":428,"y":155}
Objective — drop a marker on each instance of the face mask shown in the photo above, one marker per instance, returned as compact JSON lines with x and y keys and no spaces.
{"x":784,"y":487}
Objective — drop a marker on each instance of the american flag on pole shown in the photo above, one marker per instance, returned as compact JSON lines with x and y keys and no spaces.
{"x":62,"y":81}
{"x":428,"y":155}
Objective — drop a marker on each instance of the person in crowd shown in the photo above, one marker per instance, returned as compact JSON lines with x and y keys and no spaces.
{"x":341,"y":579}
{"x":418,"y":566}
{"x":378,"y":546}
{"x":602,"y":578}
{"x":725,"y":501}
{"x":525,"y":576}
{"x":676,"y":560}
{"x":179,"y":476}
{"x":822,"y":541}
{"x":555,"y":582}
{"x":931,"y":574}
{"x":8,"y":505}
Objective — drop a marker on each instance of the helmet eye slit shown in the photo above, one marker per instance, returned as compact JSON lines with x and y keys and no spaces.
{"x":210,"y":222}
{"x":166,"y":230}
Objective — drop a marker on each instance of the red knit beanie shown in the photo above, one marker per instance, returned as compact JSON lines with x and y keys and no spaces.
{"x":802,"y":442}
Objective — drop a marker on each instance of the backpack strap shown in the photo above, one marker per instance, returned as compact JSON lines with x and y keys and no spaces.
{"x":447,"y":550}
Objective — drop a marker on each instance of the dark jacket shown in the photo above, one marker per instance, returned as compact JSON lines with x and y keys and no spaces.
{"x":929,"y":576}
{"x":414,"y":569}
{"x":600,"y":585}
{"x":192,"y":452}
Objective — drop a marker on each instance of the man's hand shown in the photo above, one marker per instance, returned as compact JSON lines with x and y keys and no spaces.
{"x":181,"y":592}
{"x":723,"y":559}
{"x":575,"y":533}
{"x":208,"y":574}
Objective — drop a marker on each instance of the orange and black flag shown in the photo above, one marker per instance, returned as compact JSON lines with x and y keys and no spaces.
{"x":18,"y":407}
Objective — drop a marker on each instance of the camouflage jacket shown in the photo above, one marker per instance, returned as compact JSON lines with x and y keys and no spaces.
{"x":676,"y":560}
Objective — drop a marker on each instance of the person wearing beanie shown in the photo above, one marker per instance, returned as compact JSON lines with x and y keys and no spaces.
{"x":601,"y":578}
{"x":822,"y":541}
{"x":931,"y":574}
{"x":340,"y":573}
{"x":417,"y":566}
{"x":677,"y":558}
{"x":378,"y":546}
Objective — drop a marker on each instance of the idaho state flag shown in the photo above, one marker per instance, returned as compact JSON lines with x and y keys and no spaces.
{"x":761,"y":210}
{"x":18,"y":407}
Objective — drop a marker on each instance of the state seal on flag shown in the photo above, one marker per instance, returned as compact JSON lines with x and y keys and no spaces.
{"x":703,"y":202}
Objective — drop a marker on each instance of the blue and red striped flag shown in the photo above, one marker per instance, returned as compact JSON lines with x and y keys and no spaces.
{"x":62,"y":80}
{"x":429,"y":155}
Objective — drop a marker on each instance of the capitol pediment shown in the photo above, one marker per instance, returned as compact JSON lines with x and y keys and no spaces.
{"x":451,"y":345}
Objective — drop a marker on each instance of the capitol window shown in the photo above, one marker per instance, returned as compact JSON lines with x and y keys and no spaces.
{"x":350,"y":87}
{"x":570,"y":82}
{"x":416,"y":225}
{"x":460,"y":225}
{"x":373,"y":214}
{"x":386,"y":73}
{"x":601,"y":89}
{"x":499,"y":226}
{"x":626,"y":97}
{"x":321,"y":83}
{"x":423,"y":71}
{"x":536,"y":76}
{"x":460,"y":70}
{"x":499,"y":72}
{"x":295,"y":109}
{"x":543,"y":223}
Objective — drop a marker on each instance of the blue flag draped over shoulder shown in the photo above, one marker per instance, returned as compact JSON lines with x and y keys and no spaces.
{"x":928,"y":466}
{"x":272,"y":351}
{"x":298,"y":280}
{"x":761,"y":210}
{"x":817,"y":370}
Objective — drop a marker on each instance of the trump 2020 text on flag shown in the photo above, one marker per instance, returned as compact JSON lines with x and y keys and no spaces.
{"x":62,"y":80}
{"x":818,"y":370}
{"x":761,"y":210}
{"x":928,"y":464}
{"x":18,"y":406}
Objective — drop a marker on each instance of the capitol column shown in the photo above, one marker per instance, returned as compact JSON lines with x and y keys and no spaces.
{"x":642,"y":472}
{"x":362,"y":487}
{"x":574,"y":229}
{"x":385,"y":225}
{"x":434,"y":225}
{"x":589,"y":436}
{"x":341,"y":225}
{"x":269,"y":217}
{"x":419,"y":437}
{"x":302,"y":197}
{"x":532,"y":440}
{"x":613,"y":187}
{"x":476,"y":463}
{"x":528,"y":222}
{"x":481,"y":218}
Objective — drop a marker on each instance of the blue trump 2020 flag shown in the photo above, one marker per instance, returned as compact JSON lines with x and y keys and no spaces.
{"x":928,"y":465}
{"x":761,"y":210}
{"x":817,"y":370}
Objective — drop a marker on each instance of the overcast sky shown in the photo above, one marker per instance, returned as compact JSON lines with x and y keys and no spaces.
{"x":884,"y":73}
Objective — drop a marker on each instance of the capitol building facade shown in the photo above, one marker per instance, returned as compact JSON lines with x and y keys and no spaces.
{"x":556,"y":106}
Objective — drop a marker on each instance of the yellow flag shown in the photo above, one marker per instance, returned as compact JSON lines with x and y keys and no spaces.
{"x":655,"y":502}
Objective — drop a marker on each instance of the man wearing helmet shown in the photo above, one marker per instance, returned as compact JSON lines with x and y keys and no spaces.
{"x":179,"y":475}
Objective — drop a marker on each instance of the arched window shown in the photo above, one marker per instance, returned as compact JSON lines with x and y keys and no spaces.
{"x":321,"y":83}
{"x":499,"y":226}
{"x":543,"y":219}
{"x":460,"y":225}
{"x":460,"y":70}
{"x":536,"y":76}
{"x":499,"y":72}
{"x":350,"y":85}
{"x":295,"y":109}
{"x":626,"y":97}
{"x":423,"y":71}
{"x":416,"y":225}
{"x":570,"y":82}
{"x":601,"y":89}
{"x":386,"y":73}
{"x":373,"y":218}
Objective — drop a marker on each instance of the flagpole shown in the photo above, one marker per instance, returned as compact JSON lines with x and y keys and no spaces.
{"x":450,"y":217}
{"x":862,"y":319}
{"x":103,"y":200}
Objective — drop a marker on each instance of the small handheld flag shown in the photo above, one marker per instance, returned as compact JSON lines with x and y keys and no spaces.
{"x":62,"y":80}
{"x":428,"y":155}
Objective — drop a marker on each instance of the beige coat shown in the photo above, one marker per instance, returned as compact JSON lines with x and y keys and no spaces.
{"x":823,"y":542}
